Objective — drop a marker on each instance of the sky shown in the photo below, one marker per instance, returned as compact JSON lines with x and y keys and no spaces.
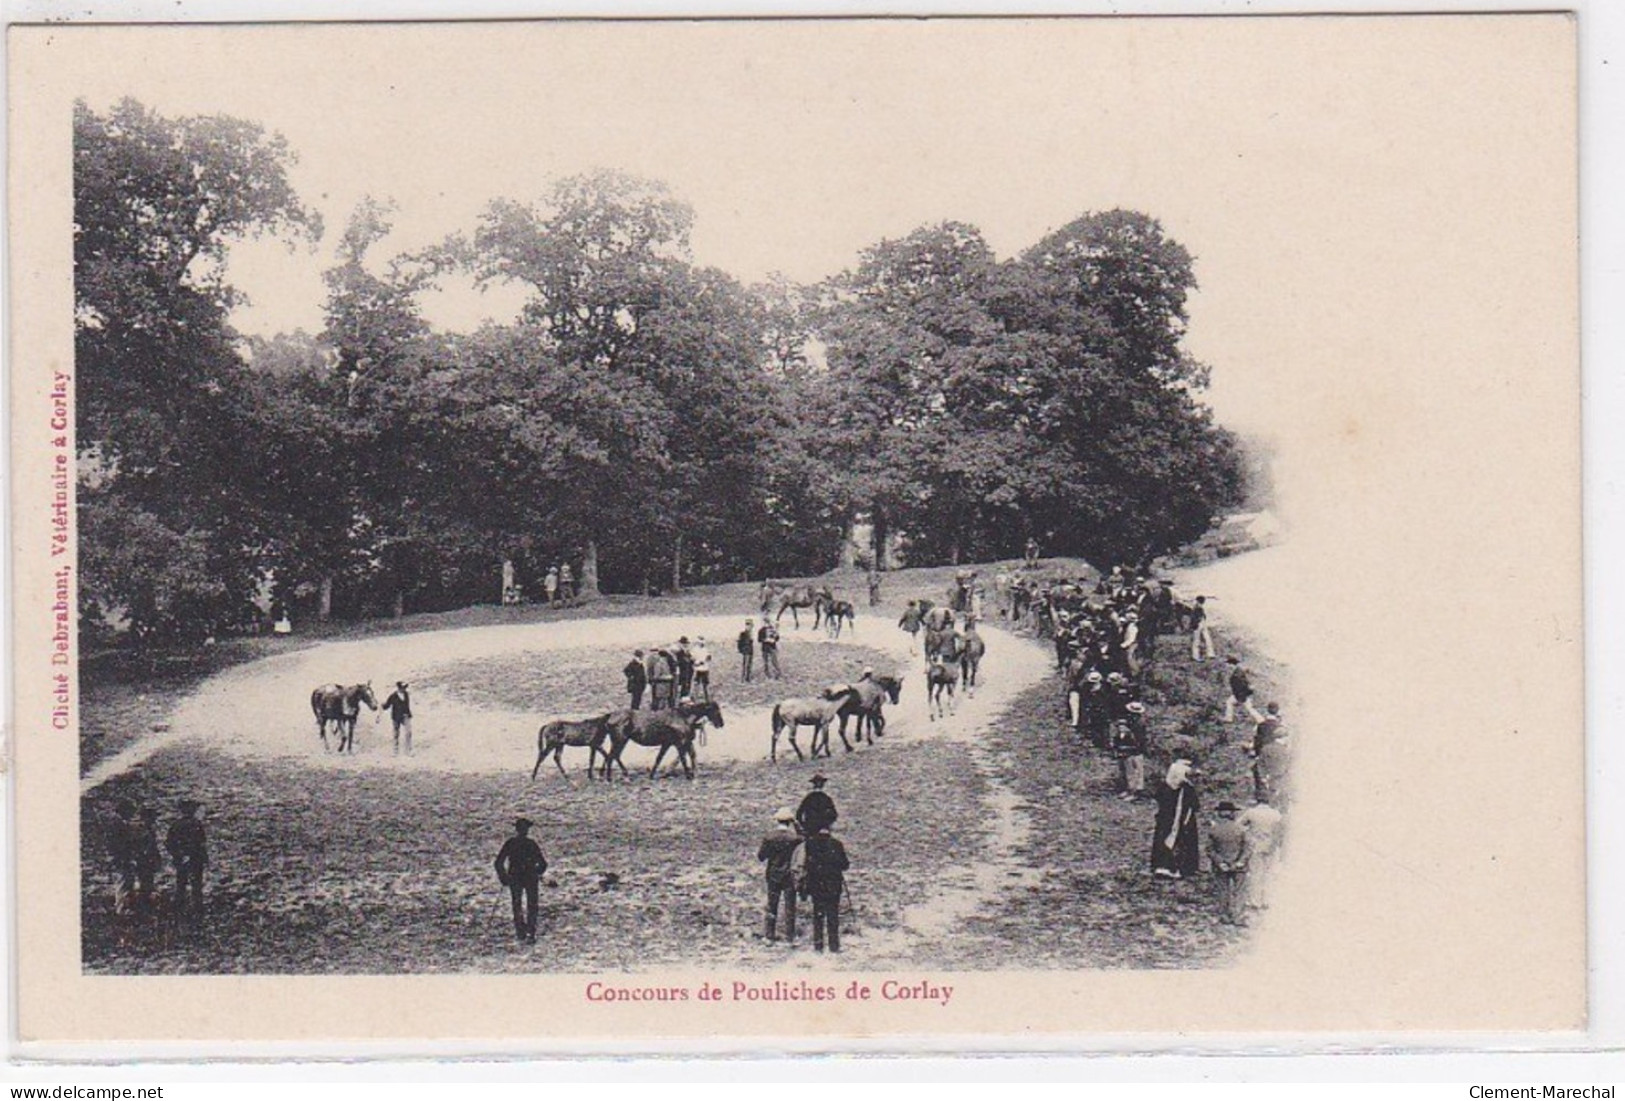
{"x":1288,"y":156}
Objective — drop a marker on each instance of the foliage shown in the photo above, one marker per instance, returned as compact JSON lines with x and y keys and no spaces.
{"x":682,"y":427}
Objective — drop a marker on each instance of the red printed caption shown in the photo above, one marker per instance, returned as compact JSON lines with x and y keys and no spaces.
{"x":779,"y":990}
{"x":61,"y":544}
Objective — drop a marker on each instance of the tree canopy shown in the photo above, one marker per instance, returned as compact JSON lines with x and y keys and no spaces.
{"x":647,"y":417}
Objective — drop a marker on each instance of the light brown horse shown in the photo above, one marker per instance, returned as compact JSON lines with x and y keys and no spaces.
{"x":796,"y":597}
{"x":817,"y":713}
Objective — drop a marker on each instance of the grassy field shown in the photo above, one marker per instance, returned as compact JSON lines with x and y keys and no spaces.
{"x":377,"y":871}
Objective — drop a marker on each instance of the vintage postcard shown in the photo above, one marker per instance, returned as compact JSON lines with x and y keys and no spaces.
{"x":918,"y":533}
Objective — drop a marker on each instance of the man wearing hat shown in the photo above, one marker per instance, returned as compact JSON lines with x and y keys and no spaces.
{"x":826,"y":878}
{"x":1241,"y":692}
{"x":520,"y":865}
{"x":1129,"y":744}
{"x":684,"y":656}
{"x":768,"y":637}
{"x":778,"y":850}
{"x":637,"y":678}
{"x":746,"y":645}
{"x":1201,"y":634}
{"x":701,"y":667}
{"x":817,"y":809}
{"x":399,"y":706}
{"x":144,"y":852}
{"x":1227,"y":854}
{"x":189,"y":851}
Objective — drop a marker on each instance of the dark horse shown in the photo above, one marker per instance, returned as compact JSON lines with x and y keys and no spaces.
{"x":866,"y":706}
{"x":940,"y":680}
{"x":674,"y":729}
{"x":970,"y":658}
{"x":797,"y":597}
{"x":341,"y":706}
{"x":554,"y":736}
{"x":838,"y":611}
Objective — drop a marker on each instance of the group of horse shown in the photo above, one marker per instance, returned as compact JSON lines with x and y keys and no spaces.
{"x":953,"y":657}
{"x":829,"y":611}
{"x":675,"y":728}
{"x":863,"y":700}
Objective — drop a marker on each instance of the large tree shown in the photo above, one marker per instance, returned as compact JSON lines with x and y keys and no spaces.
{"x":159,"y":380}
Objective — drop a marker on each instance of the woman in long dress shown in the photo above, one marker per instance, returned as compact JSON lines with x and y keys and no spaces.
{"x":1173,"y":844}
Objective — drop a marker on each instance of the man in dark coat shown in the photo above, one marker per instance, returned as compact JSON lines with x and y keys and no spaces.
{"x":520,"y":865}
{"x":399,"y":706}
{"x":1241,"y":692}
{"x":1228,"y":853}
{"x":684,"y":656}
{"x":778,"y":850}
{"x":148,"y":860}
{"x":826,"y":877}
{"x":189,"y":851}
{"x":817,"y":810}
{"x":747,"y":650}
{"x":637,"y":679}
{"x":768,"y":637}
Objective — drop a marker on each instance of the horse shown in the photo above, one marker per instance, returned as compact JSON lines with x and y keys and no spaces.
{"x":940,"y":680}
{"x":871,"y":697}
{"x":674,"y":729}
{"x":835,"y":612}
{"x":970,"y":658}
{"x":796,"y":597}
{"x":341,"y":706}
{"x":944,"y":645}
{"x":554,"y":736}
{"x":817,"y":714}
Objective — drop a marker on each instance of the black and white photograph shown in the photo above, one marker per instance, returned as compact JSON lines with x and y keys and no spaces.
{"x":806,"y":512}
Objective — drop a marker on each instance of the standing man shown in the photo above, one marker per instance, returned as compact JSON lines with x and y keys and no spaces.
{"x":778,"y":850}
{"x":399,"y":706}
{"x":658,"y":668}
{"x":1032,"y":552}
{"x":146,"y":858}
{"x":826,"y":878}
{"x":1272,"y":760}
{"x":911,"y":622}
{"x":1201,"y":635}
{"x":550,"y":584}
{"x":768,"y":636}
{"x":1129,"y":744}
{"x":1241,"y":692}
{"x":817,"y":810}
{"x":1227,"y":854}
{"x":567,"y":582}
{"x":637,"y":678}
{"x":685,"y":668}
{"x":520,"y":865}
{"x":747,"y":649}
{"x":700,"y":670}
{"x":1262,"y":824}
{"x":189,"y":850}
